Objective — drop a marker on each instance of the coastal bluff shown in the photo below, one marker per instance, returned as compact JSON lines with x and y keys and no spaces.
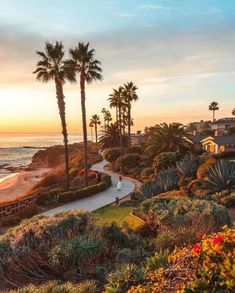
{"x":52,"y":157}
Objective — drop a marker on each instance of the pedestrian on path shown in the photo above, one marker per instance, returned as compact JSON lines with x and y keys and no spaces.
{"x":119,"y":185}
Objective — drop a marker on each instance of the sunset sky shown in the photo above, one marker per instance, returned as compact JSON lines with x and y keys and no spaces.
{"x":180,"y":54}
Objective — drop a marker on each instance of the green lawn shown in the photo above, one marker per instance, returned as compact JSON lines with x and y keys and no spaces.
{"x":118,"y":214}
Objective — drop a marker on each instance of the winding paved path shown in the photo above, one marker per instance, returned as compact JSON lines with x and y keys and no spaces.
{"x":101,"y":199}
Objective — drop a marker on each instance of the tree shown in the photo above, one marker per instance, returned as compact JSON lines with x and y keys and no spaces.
{"x":83,"y":63}
{"x":91,"y":125}
{"x":233,"y":112}
{"x":214,"y":106}
{"x":130,"y":95}
{"x":104,"y":111}
{"x":51,"y":67}
{"x":167,"y":138}
{"x":111,"y":137}
{"x":108,"y":117}
{"x":95,"y":119}
{"x":116,"y":100}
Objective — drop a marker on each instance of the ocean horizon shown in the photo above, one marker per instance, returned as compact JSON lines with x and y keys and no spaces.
{"x":17,"y":150}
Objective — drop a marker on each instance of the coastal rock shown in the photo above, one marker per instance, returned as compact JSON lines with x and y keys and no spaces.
{"x":52,"y":157}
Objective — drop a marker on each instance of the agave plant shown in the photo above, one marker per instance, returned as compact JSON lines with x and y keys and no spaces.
{"x":165,"y":181}
{"x":159,"y":259}
{"x":221,"y":176}
{"x":187,"y":168}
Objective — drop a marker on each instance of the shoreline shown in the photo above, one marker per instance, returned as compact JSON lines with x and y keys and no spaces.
{"x":4,"y":179}
{"x":20,"y":183}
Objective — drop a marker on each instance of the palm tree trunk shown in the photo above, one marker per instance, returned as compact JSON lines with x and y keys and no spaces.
{"x":91,"y":134}
{"x":84,"y":127}
{"x":104,"y":122}
{"x":129,"y":124}
{"x":120,"y":125}
{"x":213,"y":115}
{"x":61,"y":106}
{"x":117,"y":114}
{"x":96,"y":136}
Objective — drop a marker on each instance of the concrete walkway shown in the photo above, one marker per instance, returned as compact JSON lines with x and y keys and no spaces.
{"x":98,"y":200}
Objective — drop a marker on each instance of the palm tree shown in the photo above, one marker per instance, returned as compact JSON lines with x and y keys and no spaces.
{"x":91,"y":125}
{"x":108,"y":117}
{"x":95,"y":119}
{"x":130,"y":95}
{"x":82,"y":61}
{"x":51,"y":67}
{"x":116,"y":101}
{"x":214,"y":106}
{"x":233,"y":112}
{"x":104,"y":111}
{"x":167,"y":138}
{"x":111,"y":137}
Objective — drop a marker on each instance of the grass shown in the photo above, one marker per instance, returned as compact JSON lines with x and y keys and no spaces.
{"x":118,"y":214}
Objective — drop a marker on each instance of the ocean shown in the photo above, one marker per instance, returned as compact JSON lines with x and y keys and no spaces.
{"x":18,"y":150}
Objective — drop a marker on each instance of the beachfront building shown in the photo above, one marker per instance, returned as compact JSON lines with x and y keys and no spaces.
{"x":222,"y":125}
{"x":215,"y":144}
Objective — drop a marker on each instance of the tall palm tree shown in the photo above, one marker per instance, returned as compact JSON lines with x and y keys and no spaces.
{"x":51,"y":67}
{"x":82,"y":61}
{"x":233,"y":112}
{"x":104,"y":111}
{"x":108,"y":117}
{"x":167,"y":138}
{"x":117,"y":101}
{"x":130,"y":95}
{"x":95,"y":119}
{"x":91,"y":125}
{"x":214,"y":106}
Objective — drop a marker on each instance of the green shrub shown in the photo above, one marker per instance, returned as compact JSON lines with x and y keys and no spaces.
{"x":228,"y":201}
{"x":57,"y":287}
{"x":45,"y":198}
{"x":136,"y":149}
{"x":124,"y":277}
{"x":127,"y":162}
{"x":174,"y":212}
{"x":165,"y":160}
{"x":221,"y":176}
{"x":112,"y":154}
{"x":69,"y":196}
{"x":114,"y":235}
{"x":107,"y":179}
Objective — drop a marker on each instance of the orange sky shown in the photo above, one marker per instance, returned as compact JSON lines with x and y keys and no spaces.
{"x":178,"y":69}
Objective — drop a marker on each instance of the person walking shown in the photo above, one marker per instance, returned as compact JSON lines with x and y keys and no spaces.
{"x":119,"y":185}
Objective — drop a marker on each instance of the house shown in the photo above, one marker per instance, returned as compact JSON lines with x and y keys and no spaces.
{"x":215,"y":144}
{"x":222,"y":125}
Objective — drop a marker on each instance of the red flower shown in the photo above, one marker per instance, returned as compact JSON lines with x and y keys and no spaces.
{"x":196,"y":248}
{"x":217,"y":239}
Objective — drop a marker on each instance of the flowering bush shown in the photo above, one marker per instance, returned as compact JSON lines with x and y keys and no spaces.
{"x":207,"y":266}
{"x":216,"y":256}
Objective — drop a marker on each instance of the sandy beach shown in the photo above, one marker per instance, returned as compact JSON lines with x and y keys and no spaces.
{"x":20,"y":183}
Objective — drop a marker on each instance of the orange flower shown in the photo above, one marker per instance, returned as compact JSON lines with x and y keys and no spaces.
{"x":217,"y":239}
{"x":196,"y":248}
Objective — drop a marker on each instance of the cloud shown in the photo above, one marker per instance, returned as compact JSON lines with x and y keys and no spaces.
{"x":126,"y":14}
{"x":155,"y":7}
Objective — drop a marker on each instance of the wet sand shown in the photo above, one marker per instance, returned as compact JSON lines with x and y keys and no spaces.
{"x":20,"y":183}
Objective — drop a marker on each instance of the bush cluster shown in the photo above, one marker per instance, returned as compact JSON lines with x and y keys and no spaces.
{"x":69,"y":196}
{"x":175,"y":212}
